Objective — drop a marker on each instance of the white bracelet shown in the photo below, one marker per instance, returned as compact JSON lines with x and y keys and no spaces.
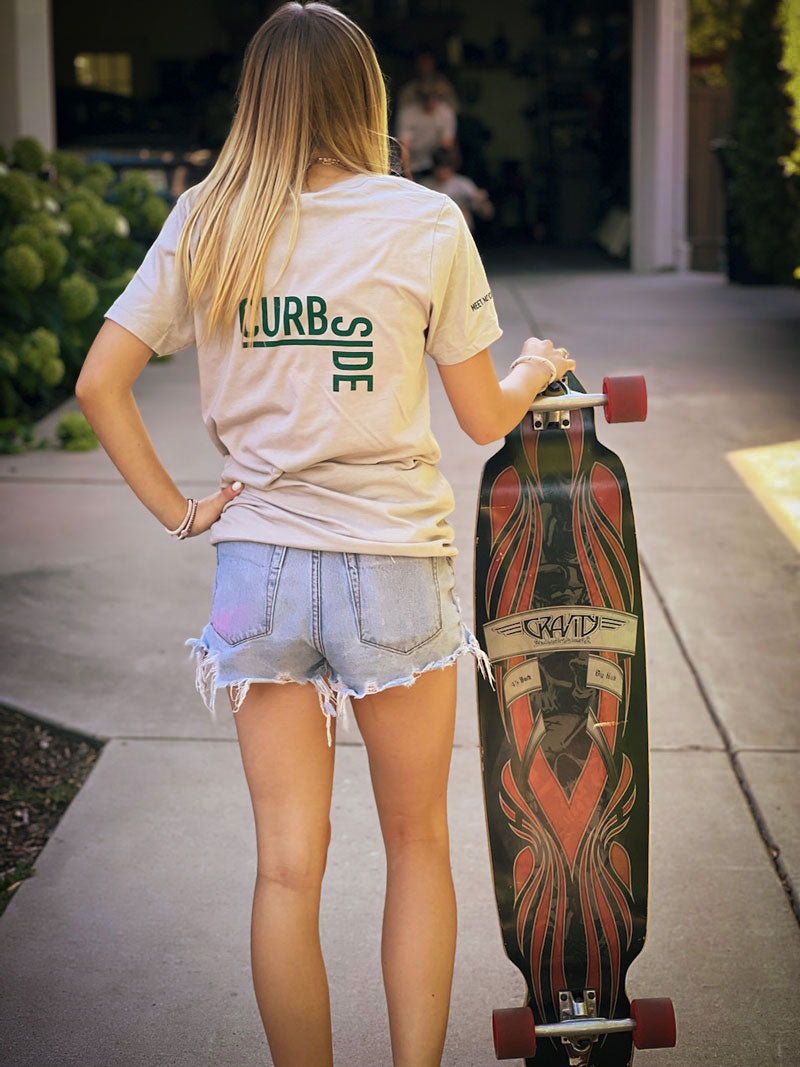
{"x":182,"y":531}
{"x":187,"y":529}
{"x":537,"y":359}
{"x":178,"y":528}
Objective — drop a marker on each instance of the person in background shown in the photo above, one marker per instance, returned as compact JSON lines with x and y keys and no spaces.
{"x":471,"y":199}
{"x":428,"y":78}
{"x":425,"y":124}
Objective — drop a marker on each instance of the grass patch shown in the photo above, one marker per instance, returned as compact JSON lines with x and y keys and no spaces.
{"x":42,"y":768}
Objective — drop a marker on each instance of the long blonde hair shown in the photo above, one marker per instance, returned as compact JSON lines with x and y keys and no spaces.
{"x":310,"y":85}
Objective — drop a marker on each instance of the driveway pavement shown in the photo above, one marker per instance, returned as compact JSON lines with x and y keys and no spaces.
{"x":130,"y":946}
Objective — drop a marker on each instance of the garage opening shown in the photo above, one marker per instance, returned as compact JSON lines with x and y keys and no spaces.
{"x":541,"y":91}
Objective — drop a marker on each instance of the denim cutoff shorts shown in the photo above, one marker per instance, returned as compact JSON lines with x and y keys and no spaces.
{"x":348,"y":623}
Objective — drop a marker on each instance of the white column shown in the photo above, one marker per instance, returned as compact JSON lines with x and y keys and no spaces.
{"x":659,"y":136}
{"x":27,"y":95}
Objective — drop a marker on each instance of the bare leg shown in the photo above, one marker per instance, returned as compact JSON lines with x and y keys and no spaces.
{"x":289,"y":771}
{"x":408,"y":733}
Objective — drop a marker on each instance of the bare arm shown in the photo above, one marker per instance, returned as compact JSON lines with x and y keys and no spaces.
{"x":487,"y":409}
{"x":482,"y":205}
{"x":104,"y":391}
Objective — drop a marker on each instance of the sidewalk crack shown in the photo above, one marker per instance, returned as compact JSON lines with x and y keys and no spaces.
{"x":732,"y":751}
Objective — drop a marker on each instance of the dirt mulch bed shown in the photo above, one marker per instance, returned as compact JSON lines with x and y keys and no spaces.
{"x":42,"y":767}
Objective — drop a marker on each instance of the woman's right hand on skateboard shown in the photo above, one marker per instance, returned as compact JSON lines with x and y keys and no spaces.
{"x":486,"y":408}
{"x":559,"y":357}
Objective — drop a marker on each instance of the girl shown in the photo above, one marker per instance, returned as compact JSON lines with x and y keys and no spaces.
{"x":313,"y":282}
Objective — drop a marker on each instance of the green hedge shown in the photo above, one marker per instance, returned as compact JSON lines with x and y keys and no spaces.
{"x":764,"y":185}
{"x":790,"y":33}
{"x":71,"y":237}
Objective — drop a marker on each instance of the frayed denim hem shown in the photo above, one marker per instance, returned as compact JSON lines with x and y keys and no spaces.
{"x":483,"y":661}
{"x":332,"y":703}
{"x":334,"y":696}
{"x":469,"y":645}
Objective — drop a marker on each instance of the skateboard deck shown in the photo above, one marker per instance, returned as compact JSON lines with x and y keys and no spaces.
{"x":564,"y":749}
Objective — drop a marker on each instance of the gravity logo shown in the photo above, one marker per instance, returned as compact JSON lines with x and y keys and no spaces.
{"x":563,"y":624}
{"x":290,"y":320}
{"x":561,"y":629}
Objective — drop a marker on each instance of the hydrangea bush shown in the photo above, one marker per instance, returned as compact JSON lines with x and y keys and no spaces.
{"x":71,"y":238}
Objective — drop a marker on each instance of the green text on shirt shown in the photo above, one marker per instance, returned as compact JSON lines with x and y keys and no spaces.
{"x":290,"y":320}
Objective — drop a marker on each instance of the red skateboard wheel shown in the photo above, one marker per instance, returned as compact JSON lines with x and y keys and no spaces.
{"x":655,"y":1023}
{"x":626,"y":398}
{"x":514,"y":1033}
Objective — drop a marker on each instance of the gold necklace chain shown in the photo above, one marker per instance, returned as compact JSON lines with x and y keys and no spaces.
{"x":329,"y":160}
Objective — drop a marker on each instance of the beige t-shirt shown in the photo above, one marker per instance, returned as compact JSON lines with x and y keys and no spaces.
{"x":324,"y":413}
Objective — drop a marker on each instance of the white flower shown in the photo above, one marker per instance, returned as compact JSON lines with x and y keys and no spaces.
{"x":122,"y":227}
{"x":63,"y":227}
{"x":51,"y":205}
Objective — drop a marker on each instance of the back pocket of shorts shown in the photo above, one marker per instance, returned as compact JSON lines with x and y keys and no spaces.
{"x":245,"y":586}
{"x":397,"y":601}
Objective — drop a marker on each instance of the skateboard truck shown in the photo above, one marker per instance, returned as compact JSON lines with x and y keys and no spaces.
{"x":579,"y":1027}
{"x":546,"y":414}
{"x":624,"y":399}
{"x":516,"y":1035}
{"x":573,"y":1012}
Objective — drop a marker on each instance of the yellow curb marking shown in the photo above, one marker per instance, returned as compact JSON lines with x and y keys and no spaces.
{"x":772,"y":474}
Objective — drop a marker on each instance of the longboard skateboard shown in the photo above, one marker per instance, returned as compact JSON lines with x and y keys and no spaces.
{"x":563,"y":733}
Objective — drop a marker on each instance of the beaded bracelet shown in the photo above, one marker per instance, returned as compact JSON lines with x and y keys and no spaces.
{"x":185,"y":527}
{"x":537,"y":359}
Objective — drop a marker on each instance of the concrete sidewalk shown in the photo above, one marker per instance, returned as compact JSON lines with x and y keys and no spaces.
{"x":130,"y":946}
